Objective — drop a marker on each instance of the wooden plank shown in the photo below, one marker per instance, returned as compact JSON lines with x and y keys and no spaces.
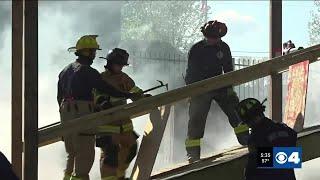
{"x":145,"y":105}
{"x":275,"y":51}
{"x":150,"y":144}
{"x":16,"y":87}
{"x":234,"y":161}
{"x":206,"y":161}
{"x":297,"y":95}
{"x":31,"y":91}
{"x":50,"y":142}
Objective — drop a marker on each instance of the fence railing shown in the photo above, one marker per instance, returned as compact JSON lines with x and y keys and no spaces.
{"x":172,"y":67}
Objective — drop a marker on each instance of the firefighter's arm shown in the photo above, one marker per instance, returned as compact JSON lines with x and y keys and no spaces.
{"x":136,"y":90}
{"x":228,"y":67}
{"x":190,"y":67}
{"x":227,"y":60}
{"x":60,"y":88}
{"x":59,"y":93}
{"x":138,"y":93}
{"x":103,"y":86}
{"x":101,"y":100}
{"x":293,"y":136}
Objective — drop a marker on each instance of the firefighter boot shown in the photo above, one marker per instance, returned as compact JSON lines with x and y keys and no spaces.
{"x":193,"y":149}
{"x":193,"y":154}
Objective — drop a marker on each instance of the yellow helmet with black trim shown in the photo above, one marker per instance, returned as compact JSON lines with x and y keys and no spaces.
{"x":86,"y":42}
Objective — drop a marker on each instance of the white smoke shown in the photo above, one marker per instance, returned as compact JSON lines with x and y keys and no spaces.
{"x":5,"y":88}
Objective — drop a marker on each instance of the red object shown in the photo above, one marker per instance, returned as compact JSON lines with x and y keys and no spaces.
{"x":296,"y":97}
{"x":277,"y":51}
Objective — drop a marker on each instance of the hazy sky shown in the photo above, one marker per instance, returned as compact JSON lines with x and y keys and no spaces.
{"x":60,"y":25}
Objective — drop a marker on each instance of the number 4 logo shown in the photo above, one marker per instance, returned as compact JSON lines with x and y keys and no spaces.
{"x":287,"y":157}
{"x":294,"y":158}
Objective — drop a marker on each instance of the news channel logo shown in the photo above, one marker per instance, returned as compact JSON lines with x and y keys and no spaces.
{"x":287,"y":157}
{"x":280,"y":157}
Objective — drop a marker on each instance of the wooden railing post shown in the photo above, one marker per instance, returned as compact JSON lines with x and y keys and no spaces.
{"x":31,"y":91}
{"x":150,"y":144}
{"x":16,"y":95}
{"x":276,"y":50}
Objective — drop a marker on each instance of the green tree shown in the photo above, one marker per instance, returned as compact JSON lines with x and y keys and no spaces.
{"x":314,"y":25}
{"x":174,"y":22}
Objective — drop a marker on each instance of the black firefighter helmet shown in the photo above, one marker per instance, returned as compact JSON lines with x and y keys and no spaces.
{"x":117,"y":56}
{"x":250,"y":108}
{"x":214,"y":29}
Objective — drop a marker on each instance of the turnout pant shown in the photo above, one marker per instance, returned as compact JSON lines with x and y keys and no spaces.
{"x":198,"y":112}
{"x":117,"y":151}
{"x":79,"y":146}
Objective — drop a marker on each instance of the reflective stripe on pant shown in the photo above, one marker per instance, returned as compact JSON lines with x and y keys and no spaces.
{"x":200,"y":106}
{"x":80,"y":149}
{"x":125,"y":141}
{"x":192,"y":143}
{"x":75,"y":178}
{"x":193,"y":149}
{"x":116,"y":129}
{"x":66,"y":176}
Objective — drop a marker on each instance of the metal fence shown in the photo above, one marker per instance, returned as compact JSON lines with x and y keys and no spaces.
{"x":257,"y":88}
{"x":171,"y":67}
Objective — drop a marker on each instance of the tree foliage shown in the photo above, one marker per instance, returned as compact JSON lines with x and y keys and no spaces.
{"x":314,"y":25}
{"x":174,"y":22}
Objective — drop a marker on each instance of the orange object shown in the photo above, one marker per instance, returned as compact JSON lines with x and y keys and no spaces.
{"x":296,"y":97}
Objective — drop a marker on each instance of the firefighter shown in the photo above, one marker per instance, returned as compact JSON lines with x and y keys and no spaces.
{"x":117,"y":141}
{"x":6,"y":170}
{"x":208,"y":58}
{"x":289,"y":47}
{"x":264,"y":133}
{"x":75,"y":98}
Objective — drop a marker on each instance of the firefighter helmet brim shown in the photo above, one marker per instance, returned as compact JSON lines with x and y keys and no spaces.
{"x":86,"y":42}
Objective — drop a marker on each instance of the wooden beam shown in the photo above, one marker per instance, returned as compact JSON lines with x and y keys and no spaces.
{"x":144,"y":106}
{"x":275,"y":102}
{"x":150,"y":144}
{"x":16,"y":87}
{"x":276,"y":50}
{"x":223,"y":163}
{"x":235,"y":160}
{"x":31,"y":91}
